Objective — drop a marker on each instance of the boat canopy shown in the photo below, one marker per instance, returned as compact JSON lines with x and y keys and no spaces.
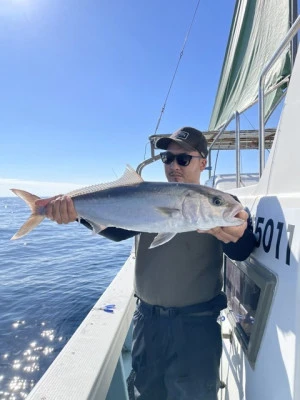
{"x":248,"y":139}
{"x":258,"y":27}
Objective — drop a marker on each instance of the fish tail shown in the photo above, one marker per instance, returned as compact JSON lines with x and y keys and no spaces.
{"x":35,"y":218}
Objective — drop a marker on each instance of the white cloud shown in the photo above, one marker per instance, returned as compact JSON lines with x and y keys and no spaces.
{"x":35,"y":187}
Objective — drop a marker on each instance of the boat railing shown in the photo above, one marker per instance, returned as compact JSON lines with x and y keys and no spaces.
{"x":91,"y":366}
{"x":261,"y":103}
{"x":216,"y":136}
{"x":261,"y":95}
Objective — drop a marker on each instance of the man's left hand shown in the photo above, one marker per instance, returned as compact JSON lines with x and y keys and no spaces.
{"x":229,"y":234}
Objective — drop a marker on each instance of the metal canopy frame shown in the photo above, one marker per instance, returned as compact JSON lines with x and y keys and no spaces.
{"x":248,"y":139}
{"x":239,"y":139}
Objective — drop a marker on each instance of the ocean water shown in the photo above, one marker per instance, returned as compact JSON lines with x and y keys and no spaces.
{"x":50,"y":280}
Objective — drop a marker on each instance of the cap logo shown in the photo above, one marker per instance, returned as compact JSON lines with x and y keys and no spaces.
{"x":182,"y":135}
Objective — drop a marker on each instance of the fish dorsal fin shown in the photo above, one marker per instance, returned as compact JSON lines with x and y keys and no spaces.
{"x":129,"y":177}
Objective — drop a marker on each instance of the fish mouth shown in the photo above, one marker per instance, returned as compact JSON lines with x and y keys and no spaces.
{"x":232,"y":216}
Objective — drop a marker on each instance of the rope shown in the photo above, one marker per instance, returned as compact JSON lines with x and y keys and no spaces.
{"x":180,"y":56}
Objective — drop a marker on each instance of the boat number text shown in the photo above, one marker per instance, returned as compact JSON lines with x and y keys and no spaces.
{"x":269,"y":233}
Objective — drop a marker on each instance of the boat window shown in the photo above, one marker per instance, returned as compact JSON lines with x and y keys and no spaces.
{"x":249,"y":287}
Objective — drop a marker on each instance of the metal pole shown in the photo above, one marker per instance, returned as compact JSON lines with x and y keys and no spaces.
{"x":261,"y":137}
{"x":221,"y":132}
{"x":143,"y":164}
{"x":209,"y":164}
{"x":294,"y":42}
{"x":237,"y":149}
{"x":290,"y":34}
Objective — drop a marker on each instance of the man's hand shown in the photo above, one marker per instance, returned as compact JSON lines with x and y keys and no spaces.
{"x":229,"y":234}
{"x":59,"y":208}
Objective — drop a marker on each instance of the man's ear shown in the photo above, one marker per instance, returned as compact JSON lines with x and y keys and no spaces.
{"x":203,"y":162}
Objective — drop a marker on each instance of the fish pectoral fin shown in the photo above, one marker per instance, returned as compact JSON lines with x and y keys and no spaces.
{"x":169,"y":212}
{"x":161,"y":238}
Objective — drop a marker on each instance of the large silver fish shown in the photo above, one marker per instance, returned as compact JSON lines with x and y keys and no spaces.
{"x":133,"y":204}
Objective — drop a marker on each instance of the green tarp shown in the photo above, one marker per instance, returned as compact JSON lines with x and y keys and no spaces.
{"x":257,"y":29}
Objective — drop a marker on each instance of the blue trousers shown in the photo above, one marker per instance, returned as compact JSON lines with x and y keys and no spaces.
{"x":176,"y":355}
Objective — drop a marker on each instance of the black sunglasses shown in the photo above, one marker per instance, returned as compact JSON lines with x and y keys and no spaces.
{"x":182,"y":159}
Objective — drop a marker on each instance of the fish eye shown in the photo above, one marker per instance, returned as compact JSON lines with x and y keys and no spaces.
{"x":217,"y":201}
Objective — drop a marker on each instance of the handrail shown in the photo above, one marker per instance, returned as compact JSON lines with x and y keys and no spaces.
{"x":294,"y":42}
{"x":144,"y":163}
{"x":237,"y":150}
{"x":236,"y":115}
{"x":84,"y":369}
{"x":261,"y":101}
{"x":289,"y":36}
{"x":221,"y":131}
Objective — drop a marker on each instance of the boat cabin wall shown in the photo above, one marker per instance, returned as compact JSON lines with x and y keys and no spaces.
{"x":280,"y":175}
{"x":275,"y":206}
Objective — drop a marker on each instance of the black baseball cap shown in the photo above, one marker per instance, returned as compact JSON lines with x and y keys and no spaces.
{"x":187,"y":137}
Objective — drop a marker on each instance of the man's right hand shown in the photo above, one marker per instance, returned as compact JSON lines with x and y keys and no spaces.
{"x":59,"y":208}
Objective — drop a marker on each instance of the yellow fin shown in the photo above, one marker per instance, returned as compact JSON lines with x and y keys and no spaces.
{"x":161,"y":238}
{"x":29,"y":198}
{"x":30,"y":224}
{"x":35,"y":217}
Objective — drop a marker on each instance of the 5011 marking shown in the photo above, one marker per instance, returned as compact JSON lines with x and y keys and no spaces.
{"x":270,"y":232}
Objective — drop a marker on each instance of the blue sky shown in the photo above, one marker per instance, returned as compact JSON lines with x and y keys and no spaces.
{"x":83,"y":84}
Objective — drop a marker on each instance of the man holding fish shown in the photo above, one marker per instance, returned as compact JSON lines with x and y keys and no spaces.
{"x":177,"y":342}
